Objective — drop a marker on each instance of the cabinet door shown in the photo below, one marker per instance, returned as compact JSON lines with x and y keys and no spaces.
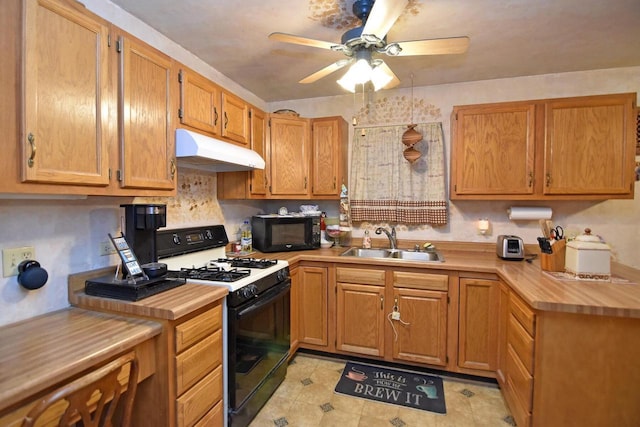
{"x":258,"y":177}
{"x":589,"y":146}
{"x":65,"y":133}
{"x":503,"y":322}
{"x":199,"y":102}
{"x":313,"y":305}
{"x":422,"y":334}
{"x":494,"y":148}
{"x":235,"y":118}
{"x":328,"y":158}
{"x":360,"y":319}
{"x":478,"y":324}
{"x":146,"y":137}
{"x":289,"y":156}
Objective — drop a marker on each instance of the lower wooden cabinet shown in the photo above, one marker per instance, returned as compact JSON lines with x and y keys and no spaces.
{"x":519,"y":368}
{"x":420,"y":334}
{"x":478,"y":320}
{"x":313,"y":306}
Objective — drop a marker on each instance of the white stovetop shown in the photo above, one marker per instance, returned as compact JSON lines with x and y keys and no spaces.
{"x":209,"y":257}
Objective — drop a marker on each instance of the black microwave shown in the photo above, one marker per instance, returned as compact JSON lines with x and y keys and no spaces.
{"x":278,"y":233}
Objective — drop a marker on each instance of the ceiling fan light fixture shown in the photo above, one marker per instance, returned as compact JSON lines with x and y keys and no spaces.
{"x":379,"y":78}
{"x":359,"y":73}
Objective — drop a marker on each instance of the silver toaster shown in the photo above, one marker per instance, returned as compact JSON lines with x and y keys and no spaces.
{"x":510,"y":247}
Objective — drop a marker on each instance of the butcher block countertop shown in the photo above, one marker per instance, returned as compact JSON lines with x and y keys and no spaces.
{"x":43,"y":351}
{"x":168,"y":305}
{"x":539,"y":289}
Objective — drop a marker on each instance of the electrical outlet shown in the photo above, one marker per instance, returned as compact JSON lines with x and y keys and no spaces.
{"x":107,"y":248}
{"x":11,"y":258}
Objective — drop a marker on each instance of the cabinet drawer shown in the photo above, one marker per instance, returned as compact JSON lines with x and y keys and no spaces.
{"x":213,"y":418}
{"x":360,"y":275}
{"x":198,"y":400}
{"x":436,"y":282}
{"x":198,"y":361}
{"x":521,"y":342}
{"x":192,"y":331}
{"x":520,"y":379}
{"x":523,"y":313}
{"x":521,"y":415}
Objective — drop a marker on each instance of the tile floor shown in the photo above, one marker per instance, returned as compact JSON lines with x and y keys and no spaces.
{"x":306,"y":398}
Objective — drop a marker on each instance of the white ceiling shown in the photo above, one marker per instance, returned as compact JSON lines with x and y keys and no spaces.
{"x":508,"y":38}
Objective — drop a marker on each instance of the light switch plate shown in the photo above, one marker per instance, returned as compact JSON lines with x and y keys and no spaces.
{"x":11,"y":258}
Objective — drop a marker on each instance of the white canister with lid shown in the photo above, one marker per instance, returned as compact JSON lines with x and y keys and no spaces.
{"x":588,"y":258}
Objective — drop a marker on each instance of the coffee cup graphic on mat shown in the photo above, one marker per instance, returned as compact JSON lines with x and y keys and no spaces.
{"x":429,"y":389}
{"x":356,"y":375}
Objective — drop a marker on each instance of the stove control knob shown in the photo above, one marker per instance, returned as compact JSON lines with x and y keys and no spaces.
{"x":176,"y":239}
{"x":249,"y":291}
{"x":282,"y":275}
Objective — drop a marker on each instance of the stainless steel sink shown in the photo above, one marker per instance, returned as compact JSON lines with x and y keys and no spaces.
{"x":428,"y":256}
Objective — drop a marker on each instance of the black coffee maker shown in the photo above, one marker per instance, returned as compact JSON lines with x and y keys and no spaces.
{"x":141,"y":223}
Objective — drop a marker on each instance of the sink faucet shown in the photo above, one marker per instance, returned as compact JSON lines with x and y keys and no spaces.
{"x":391,"y":236}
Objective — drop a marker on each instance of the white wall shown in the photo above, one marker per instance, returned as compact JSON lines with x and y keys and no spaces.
{"x":615,"y":220}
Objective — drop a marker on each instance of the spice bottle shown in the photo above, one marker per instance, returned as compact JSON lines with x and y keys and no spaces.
{"x":366,"y":240}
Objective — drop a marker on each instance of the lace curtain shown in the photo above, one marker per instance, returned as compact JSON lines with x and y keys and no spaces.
{"x":385,"y":187}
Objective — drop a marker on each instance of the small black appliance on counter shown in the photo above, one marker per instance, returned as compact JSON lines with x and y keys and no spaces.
{"x":141,"y":223}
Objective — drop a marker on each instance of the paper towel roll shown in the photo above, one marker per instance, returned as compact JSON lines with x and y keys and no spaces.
{"x":517,"y":213}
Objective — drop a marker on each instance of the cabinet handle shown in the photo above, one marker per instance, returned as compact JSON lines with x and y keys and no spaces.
{"x":381,"y":302}
{"x":334,"y":182}
{"x":226,"y":120}
{"x":305,"y":182}
{"x":215,"y":116}
{"x":530,"y":179}
{"x":173,"y":168}
{"x":548,"y":179}
{"x":32,"y":142}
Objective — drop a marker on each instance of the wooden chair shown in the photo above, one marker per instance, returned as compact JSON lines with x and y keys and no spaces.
{"x":91,"y":399}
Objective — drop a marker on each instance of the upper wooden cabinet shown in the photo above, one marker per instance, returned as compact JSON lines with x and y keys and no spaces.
{"x":64,"y":135}
{"x":306,"y":159}
{"x":147,"y":145}
{"x":289,"y":148}
{"x":554,"y":149}
{"x":329,"y":156}
{"x":84,"y":112}
{"x":199,"y":102}
{"x":258,"y":181}
{"x":207,"y":107}
{"x":235,"y":118}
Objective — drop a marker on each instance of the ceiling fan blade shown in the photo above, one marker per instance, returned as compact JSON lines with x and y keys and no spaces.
{"x":446,"y":46}
{"x":290,"y":38}
{"x":382,"y":17}
{"x":325,"y":71}
{"x":395,"y":81}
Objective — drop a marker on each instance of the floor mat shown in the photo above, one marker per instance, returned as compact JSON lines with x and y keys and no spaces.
{"x":405,"y":388}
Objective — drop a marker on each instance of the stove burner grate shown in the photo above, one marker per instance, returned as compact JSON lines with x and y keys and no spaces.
{"x":249,"y":262}
{"x":213,"y":274}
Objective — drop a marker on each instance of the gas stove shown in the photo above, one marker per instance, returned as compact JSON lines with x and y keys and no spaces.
{"x":198,"y":255}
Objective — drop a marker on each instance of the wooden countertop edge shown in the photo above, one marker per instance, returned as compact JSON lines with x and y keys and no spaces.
{"x":170,"y":305}
{"x":50,"y":366}
{"x":541,"y":291}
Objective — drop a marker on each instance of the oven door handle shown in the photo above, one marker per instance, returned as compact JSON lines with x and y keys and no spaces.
{"x":266,"y":298}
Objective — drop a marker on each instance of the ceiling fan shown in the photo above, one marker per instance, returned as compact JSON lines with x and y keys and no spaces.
{"x":362,"y":43}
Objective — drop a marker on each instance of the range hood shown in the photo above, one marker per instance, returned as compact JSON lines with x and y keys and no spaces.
{"x":198,"y":151}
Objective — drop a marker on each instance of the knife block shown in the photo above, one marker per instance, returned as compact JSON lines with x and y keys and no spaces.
{"x":554,"y":261}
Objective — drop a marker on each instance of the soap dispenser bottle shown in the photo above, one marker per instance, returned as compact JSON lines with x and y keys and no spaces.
{"x":366,"y":240}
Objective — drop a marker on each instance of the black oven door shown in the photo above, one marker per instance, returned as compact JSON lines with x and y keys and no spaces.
{"x":258,"y":339}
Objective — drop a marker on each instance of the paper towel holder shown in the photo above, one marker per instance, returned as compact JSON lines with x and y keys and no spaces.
{"x":528,"y":213}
